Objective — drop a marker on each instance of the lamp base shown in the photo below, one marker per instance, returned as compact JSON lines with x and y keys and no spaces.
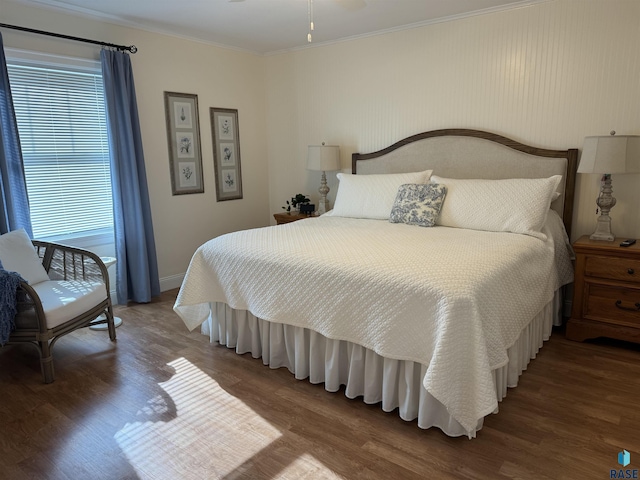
{"x":603,"y":229}
{"x":323,"y":206}
{"x":606,"y":201}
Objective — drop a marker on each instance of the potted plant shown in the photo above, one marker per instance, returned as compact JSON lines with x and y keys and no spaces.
{"x":294,"y":204}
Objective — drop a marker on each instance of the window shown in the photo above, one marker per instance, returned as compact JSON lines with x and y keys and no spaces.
{"x":61,"y":119}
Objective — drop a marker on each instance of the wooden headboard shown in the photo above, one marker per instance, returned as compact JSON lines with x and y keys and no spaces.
{"x":464,"y":153}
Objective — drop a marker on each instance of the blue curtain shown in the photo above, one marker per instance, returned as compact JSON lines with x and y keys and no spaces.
{"x":137,"y":267}
{"x":14,"y":202}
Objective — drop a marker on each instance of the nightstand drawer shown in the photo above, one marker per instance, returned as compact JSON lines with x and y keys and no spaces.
{"x":617,"y":305}
{"x":623,"y":269}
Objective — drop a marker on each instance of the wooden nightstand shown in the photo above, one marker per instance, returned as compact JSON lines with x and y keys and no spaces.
{"x":606,"y":295}
{"x":282,"y":218}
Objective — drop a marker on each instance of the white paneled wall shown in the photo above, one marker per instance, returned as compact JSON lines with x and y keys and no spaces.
{"x":547,"y":74}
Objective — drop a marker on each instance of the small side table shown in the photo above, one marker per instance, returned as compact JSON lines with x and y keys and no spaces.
{"x":282,"y":218}
{"x":117,"y":321}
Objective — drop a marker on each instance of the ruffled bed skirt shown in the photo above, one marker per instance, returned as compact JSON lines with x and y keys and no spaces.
{"x":393,"y":383}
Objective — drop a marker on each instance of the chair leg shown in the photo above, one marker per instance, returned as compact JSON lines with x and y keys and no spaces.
{"x":110,"y":323}
{"x":46,"y":362}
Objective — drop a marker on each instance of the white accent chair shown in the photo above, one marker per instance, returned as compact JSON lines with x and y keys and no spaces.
{"x":65,"y":289}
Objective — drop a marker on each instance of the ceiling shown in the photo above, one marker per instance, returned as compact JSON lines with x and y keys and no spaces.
{"x":269,"y":26}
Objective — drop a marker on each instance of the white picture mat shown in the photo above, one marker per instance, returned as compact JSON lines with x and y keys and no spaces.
{"x":226,"y":128}
{"x":182,"y":116}
{"x":227,"y":154}
{"x":184,"y":145}
{"x":187,"y":171}
{"x":229,"y":180}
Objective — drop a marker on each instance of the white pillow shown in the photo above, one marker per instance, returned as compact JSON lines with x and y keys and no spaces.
{"x":18,"y":255}
{"x":517,"y":205}
{"x":371,"y":196}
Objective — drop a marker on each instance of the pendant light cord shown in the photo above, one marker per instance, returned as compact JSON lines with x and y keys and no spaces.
{"x":310,"y":17}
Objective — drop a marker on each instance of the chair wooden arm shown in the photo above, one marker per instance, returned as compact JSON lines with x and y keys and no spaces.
{"x":29,"y":307}
{"x":63,"y":262}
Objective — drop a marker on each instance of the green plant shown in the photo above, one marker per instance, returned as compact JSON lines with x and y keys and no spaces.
{"x":299,"y":199}
{"x":287,"y":207}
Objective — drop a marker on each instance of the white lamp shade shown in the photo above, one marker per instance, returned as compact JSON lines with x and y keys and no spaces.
{"x":610,"y":154}
{"x":323,"y":158}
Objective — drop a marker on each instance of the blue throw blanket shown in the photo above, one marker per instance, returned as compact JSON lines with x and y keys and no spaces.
{"x":9,"y":282}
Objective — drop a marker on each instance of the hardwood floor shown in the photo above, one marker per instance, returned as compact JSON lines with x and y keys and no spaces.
{"x":162,"y":403}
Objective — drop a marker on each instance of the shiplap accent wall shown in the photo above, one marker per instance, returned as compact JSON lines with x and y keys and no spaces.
{"x":546,"y":74}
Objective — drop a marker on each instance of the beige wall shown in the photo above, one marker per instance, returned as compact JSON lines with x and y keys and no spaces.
{"x":220,"y":77}
{"x":548,"y":74}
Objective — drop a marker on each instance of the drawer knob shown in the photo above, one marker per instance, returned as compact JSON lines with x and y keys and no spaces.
{"x":631,"y":271}
{"x":630,"y":309}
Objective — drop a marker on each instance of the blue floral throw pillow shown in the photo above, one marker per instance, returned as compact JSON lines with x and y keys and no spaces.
{"x":418,"y":204}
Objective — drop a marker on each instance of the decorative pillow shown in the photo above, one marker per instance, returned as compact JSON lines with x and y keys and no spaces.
{"x":18,"y":255}
{"x":371,"y":196}
{"x":517,"y":205}
{"x":418,"y":204}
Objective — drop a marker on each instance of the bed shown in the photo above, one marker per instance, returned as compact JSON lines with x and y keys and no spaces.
{"x":433,"y":308}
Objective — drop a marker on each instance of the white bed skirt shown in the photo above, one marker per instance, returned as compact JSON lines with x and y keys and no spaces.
{"x":394,"y":383}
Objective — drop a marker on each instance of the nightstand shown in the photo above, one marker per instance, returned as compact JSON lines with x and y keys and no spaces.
{"x":606,"y":295}
{"x":282,"y":218}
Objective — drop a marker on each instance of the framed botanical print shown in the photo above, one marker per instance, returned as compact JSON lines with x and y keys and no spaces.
{"x":183,"y":137}
{"x":226,"y":153}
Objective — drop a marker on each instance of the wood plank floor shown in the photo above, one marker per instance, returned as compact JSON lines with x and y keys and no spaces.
{"x":162,"y":403}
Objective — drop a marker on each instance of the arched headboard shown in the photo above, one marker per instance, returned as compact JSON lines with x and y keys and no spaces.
{"x":465,"y":153}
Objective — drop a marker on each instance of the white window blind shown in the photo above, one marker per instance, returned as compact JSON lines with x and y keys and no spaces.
{"x":63,"y":133}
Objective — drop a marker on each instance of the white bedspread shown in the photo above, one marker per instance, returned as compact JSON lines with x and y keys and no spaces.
{"x":452,"y":299}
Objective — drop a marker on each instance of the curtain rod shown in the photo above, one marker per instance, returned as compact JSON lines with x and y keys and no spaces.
{"x":132,"y":48}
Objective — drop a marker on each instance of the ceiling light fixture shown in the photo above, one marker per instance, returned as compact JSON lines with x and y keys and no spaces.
{"x":310,"y":15}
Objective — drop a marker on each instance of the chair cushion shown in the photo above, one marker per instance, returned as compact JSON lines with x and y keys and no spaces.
{"x":63,"y":300}
{"x":18,"y":255}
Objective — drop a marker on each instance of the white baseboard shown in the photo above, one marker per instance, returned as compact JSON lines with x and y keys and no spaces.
{"x":166,"y":283}
{"x":169,"y":283}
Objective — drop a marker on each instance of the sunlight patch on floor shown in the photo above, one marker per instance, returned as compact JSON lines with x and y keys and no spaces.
{"x":313,"y":469}
{"x":171,"y":438}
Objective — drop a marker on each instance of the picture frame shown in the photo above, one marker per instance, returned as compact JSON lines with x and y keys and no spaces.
{"x":183,"y":138}
{"x":226,"y":153}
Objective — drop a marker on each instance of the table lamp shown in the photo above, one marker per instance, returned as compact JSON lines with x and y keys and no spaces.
{"x":323,"y":158}
{"x":607,"y":155}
